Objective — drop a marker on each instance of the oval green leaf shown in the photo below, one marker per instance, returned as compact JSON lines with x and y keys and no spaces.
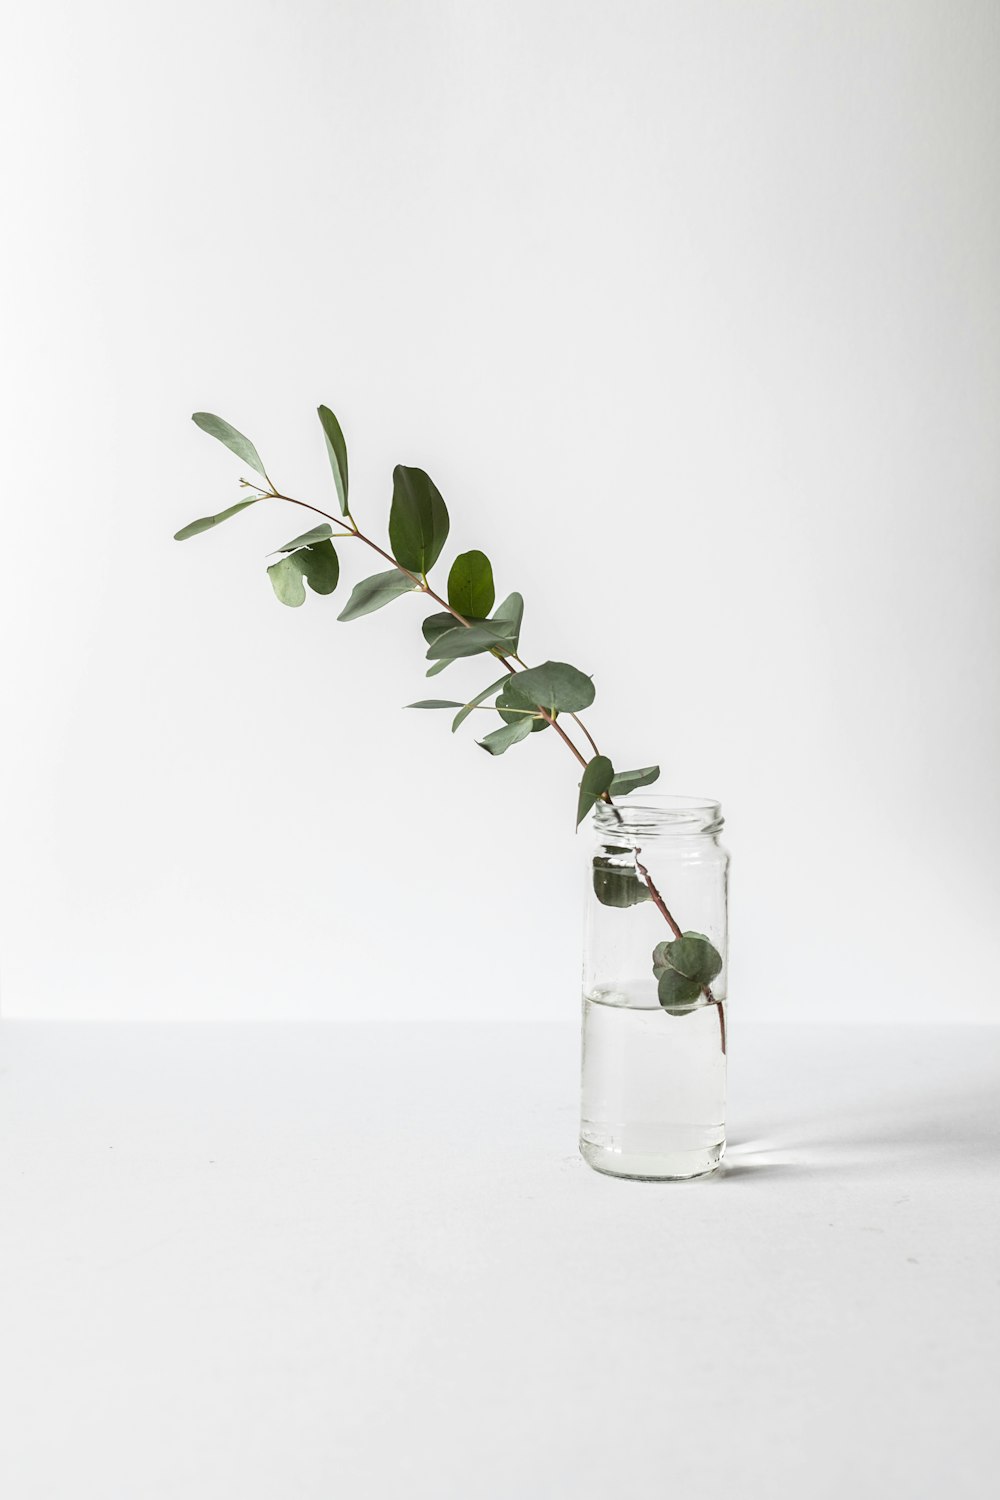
{"x":470,"y":640}
{"x":207,"y":522}
{"x":508,"y":616}
{"x":617,"y":884}
{"x":499,"y":740}
{"x":470,"y":585}
{"x":318,"y":534}
{"x":372,"y":593}
{"x":336,"y":450}
{"x":595,"y":780}
{"x":630,"y":781}
{"x":235,"y":441}
{"x":418,"y":520}
{"x":434,"y":703}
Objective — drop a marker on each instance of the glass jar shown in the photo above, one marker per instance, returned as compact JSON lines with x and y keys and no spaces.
{"x":653,"y":1096}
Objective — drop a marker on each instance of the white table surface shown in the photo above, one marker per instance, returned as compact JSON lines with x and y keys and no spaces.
{"x":267,"y":1262}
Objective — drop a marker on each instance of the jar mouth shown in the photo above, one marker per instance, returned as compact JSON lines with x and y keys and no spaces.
{"x":662,"y":813}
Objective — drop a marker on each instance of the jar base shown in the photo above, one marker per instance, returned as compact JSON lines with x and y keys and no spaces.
{"x":674,"y":1166}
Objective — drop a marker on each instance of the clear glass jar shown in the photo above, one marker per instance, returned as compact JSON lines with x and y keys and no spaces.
{"x":653,"y":1096}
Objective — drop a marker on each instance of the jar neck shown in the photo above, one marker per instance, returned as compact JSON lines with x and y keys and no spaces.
{"x":644,"y":815}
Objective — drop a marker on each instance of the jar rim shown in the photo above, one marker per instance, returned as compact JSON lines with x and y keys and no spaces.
{"x":648,"y":812}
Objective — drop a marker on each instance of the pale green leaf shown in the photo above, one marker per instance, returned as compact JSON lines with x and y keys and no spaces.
{"x":207,"y":522}
{"x":372,"y":593}
{"x":434,"y":703}
{"x":499,"y":740}
{"x":318,"y":534}
{"x":286,"y":580}
{"x":235,"y":441}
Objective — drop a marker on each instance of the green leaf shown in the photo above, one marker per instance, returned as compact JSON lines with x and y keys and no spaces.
{"x":618,"y":885}
{"x":511,"y":708}
{"x":470,"y":585}
{"x":207,"y":522}
{"x":509,"y":615}
{"x":318,"y":534}
{"x":438,"y":666}
{"x":473,"y":703}
{"x":286,"y":580}
{"x":434,"y":703}
{"x":557,"y":687}
{"x":318,"y":565}
{"x":660,"y":955}
{"x":337,"y":453}
{"x":677,"y":994}
{"x":372,"y":593}
{"x":499,"y":740}
{"x":435,"y":625}
{"x":234,"y":441}
{"x":418,"y":520}
{"x":596,"y":777}
{"x":630,"y":781}
{"x":693,"y":957}
{"x":484,"y":635}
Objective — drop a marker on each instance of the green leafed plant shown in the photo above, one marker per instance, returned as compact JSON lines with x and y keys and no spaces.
{"x":467,"y":623}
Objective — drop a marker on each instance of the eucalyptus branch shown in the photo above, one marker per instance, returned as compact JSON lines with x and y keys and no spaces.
{"x":526,"y":699}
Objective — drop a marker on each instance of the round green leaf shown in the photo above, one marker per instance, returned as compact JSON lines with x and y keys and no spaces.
{"x":677,"y":994}
{"x":470,"y":585}
{"x":557,"y":687}
{"x":694,"y":957}
{"x":511,"y":708}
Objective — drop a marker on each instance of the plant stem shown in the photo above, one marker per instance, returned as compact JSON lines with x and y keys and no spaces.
{"x":424,"y":587}
{"x":674,"y":926}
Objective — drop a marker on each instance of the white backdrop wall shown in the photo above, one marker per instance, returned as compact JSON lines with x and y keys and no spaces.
{"x":691,"y":311}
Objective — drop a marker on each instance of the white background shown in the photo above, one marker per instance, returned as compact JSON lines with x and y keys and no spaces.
{"x":690,"y":310}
